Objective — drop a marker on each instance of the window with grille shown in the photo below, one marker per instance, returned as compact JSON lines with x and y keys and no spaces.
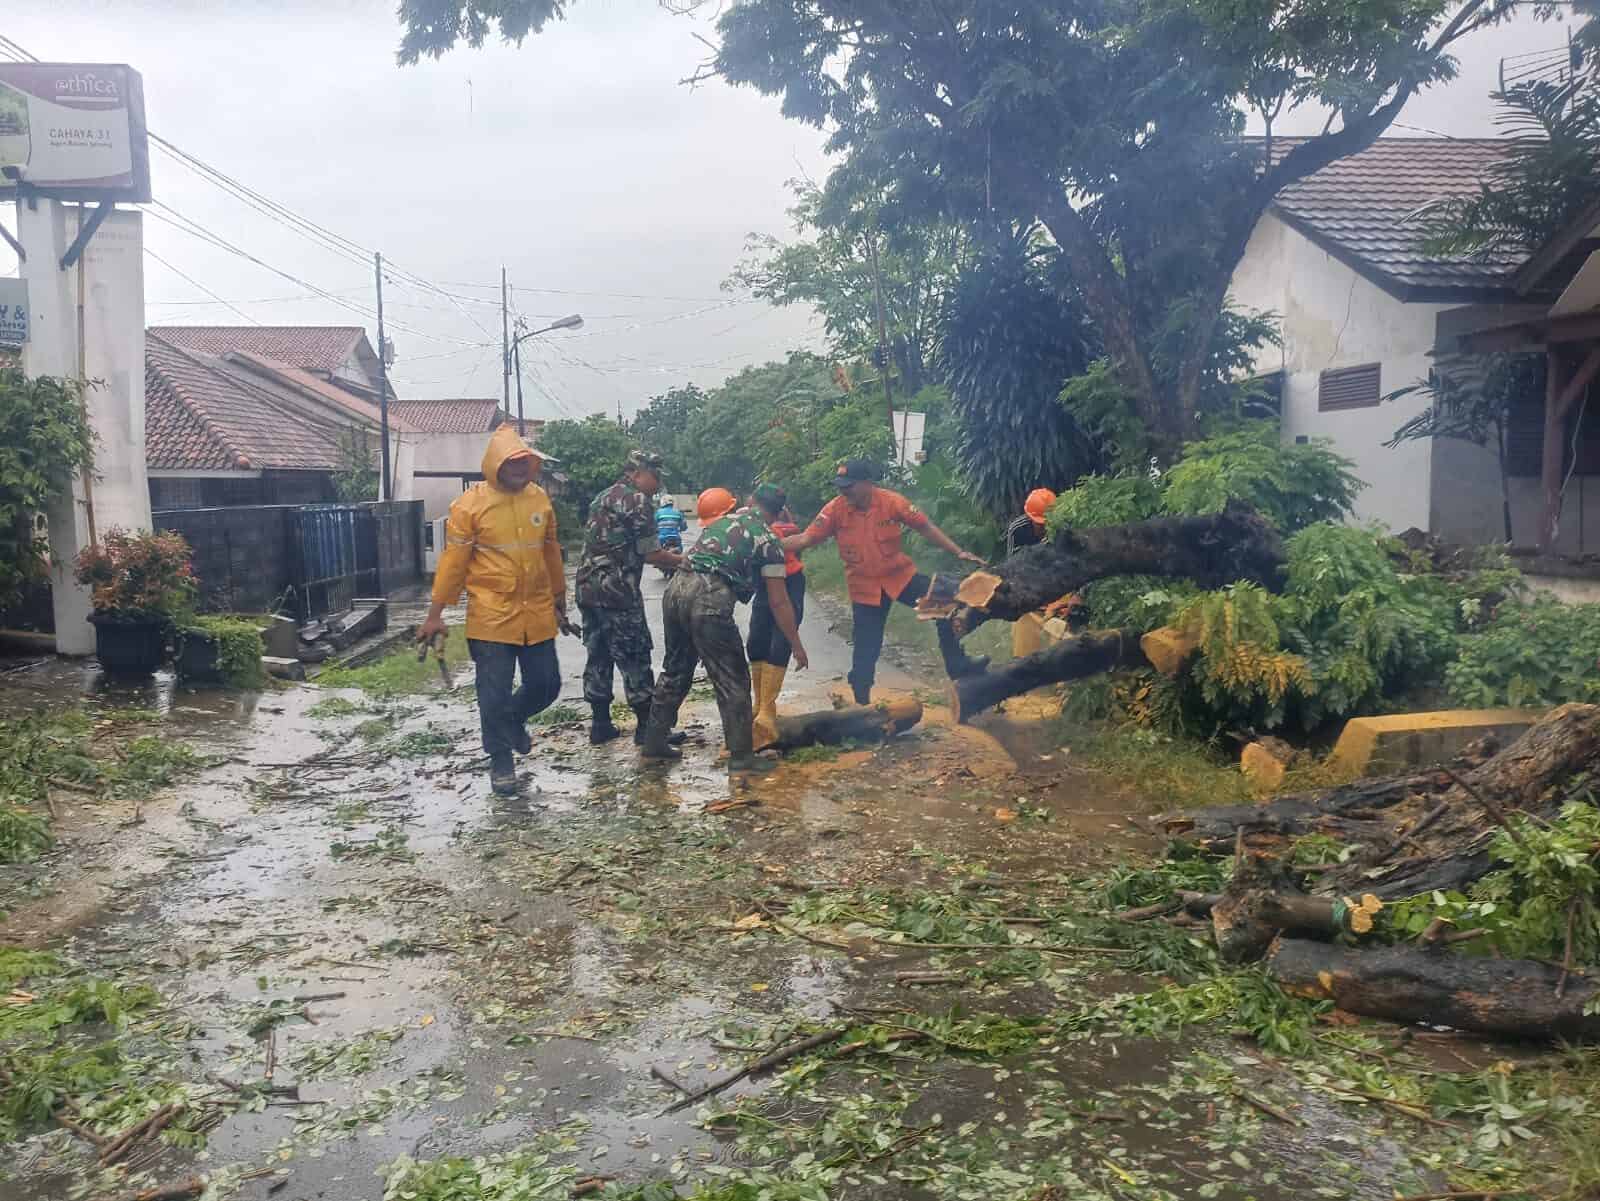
{"x":1348,"y":388}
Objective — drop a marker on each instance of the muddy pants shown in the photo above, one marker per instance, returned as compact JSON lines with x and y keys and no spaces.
{"x":502,"y":712}
{"x":697,"y":620}
{"x":620,"y":639}
{"x":867,"y":638}
{"x":766,"y":643}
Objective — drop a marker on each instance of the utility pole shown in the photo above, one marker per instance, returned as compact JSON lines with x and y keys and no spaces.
{"x":383,"y":383}
{"x":505,"y":338}
{"x":883,"y":333}
{"x":516,"y":354}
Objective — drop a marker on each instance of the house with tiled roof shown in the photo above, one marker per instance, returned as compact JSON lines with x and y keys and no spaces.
{"x":450,"y":436}
{"x":1339,"y":258}
{"x":336,"y":354}
{"x":239,"y":428}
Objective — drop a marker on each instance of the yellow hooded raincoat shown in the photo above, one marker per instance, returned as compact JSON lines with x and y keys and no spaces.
{"x":502,"y":547}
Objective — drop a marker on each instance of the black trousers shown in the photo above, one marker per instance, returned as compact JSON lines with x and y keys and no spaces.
{"x":766,"y":643}
{"x":867,"y":638}
{"x":697,"y":621}
{"x":501,"y":711}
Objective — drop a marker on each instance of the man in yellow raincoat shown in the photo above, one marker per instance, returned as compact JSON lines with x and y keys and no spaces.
{"x":501,"y":545}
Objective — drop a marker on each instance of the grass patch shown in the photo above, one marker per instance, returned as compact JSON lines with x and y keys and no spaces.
{"x":399,"y":673}
{"x":1170,"y":772}
{"x":557,"y":715}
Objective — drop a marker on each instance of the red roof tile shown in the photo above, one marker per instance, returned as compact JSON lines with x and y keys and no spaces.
{"x":204,"y":414}
{"x":330,"y":393}
{"x":1369,"y":209}
{"x":448,"y":416}
{"x":309,"y":347}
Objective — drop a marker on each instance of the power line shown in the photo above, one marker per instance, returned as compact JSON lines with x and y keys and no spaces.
{"x":214,"y":297}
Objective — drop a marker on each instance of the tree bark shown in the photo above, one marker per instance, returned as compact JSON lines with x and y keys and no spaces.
{"x":1215,"y":550}
{"x":1514,"y":998}
{"x":1069,"y":659}
{"x":854,"y":723}
{"x":1400,"y":853}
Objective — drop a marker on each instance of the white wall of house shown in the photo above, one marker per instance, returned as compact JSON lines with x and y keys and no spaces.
{"x":1334,"y":317}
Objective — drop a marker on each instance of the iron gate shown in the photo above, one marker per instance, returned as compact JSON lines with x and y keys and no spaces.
{"x":337,"y":548}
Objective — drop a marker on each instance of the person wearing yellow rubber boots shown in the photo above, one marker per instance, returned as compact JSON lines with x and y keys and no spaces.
{"x":767,"y":647}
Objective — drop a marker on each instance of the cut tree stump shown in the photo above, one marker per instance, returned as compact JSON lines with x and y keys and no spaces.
{"x":1069,"y":659}
{"x":1513,"y":998}
{"x":854,"y":723}
{"x":1169,"y":649}
{"x":1215,"y":550}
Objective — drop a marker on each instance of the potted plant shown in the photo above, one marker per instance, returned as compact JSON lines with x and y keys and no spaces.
{"x":140,"y":583}
{"x":224,"y":649}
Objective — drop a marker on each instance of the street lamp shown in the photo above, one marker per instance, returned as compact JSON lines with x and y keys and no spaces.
{"x":570,"y":321}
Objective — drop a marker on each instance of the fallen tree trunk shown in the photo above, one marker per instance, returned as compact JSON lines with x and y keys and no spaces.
{"x":1213,"y":551}
{"x":1424,"y":831}
{"x":854,"y":723}
{"x":1510,"y":997}
{"x":1069,"y":659}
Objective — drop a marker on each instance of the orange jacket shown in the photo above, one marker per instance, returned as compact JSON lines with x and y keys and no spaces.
{"x":502,"y":547}
{"x":875,"y":565}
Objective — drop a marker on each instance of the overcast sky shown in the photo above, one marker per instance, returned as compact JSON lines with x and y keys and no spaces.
{"x":577,"y":161}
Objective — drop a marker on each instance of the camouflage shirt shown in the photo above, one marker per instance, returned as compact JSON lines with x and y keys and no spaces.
{"x":620,"y":533}
{"x":741,"y":549}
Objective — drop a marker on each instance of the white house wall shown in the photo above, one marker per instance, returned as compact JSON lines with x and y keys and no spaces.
{"x":1333,"y":317}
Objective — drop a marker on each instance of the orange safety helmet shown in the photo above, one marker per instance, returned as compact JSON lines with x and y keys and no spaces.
{"x":1039,"y":502}
{"x":713,"y":503}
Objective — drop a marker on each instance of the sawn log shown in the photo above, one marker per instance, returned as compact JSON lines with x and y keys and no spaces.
{"x":1514,"y":998}
{"x":854,"y":723}
{"x":1069,"y":659}
{"x":1213,"y":551}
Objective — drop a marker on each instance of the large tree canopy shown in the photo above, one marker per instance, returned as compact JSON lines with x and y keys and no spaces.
{"x":1114,"y":123}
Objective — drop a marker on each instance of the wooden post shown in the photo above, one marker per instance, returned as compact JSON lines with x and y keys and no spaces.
{"x":1551,"y":458}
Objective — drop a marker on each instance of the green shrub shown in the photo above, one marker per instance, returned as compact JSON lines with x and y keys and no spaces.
{"x":1294,"y":486}
{"x":1544,"y":653}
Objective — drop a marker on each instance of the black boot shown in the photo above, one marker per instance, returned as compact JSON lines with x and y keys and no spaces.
{"x":502,"y":774}
{"x":862,"y":692}
{"x":642,"y":712}
{"x":601,"y":728}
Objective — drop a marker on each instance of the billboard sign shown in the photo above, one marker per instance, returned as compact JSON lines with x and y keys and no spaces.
{"x":73,"y":131}
{"x":13,"y":312}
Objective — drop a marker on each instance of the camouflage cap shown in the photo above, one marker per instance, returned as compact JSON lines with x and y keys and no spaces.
{"x":770,"y":497}
{"x":644,"y":460}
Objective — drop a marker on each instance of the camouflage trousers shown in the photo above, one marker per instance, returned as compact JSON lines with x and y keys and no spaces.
{"x":616,"y":639}
{"x":697,"y":622}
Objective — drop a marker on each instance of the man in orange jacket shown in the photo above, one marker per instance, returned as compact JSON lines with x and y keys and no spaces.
{"x":501,"y":545}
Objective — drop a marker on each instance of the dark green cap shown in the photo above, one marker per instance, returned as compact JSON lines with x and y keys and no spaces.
{"x":770,"y":497}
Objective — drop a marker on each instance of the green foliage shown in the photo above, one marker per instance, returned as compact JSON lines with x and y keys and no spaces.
{"x":1246,"y":1001}
{"x":24,"y":834}
{"x":1548,"y":176}
{"x":662,"y":425}
{"x":1543,"y":653}
{"x":1012,"y":332}
{"x":526,"y":1173}
{"x":939,"y":492}
{"x":1293,"y":486}
{"x":138,"y":576}
{"x":1097,"y":500}
{"x":592,"y":453}
{"x":832,"y":271}
{"x":44,"y":442}
{"x":239,"y":649}
{"x":1550,"y":875}
{"x":358,"y":472}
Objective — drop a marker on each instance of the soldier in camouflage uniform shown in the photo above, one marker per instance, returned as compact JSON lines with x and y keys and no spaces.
{"x":736,"y":554}
{"x":619,"y":540}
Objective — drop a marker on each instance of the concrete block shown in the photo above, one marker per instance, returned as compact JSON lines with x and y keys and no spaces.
{"x":1374,"y":746}
{"x":281,"y":638}
{"x":1264,"y":765}
{"x":283,"y":669}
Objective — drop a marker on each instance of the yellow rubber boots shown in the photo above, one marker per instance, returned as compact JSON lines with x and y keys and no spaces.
{"x":766,"y":680}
